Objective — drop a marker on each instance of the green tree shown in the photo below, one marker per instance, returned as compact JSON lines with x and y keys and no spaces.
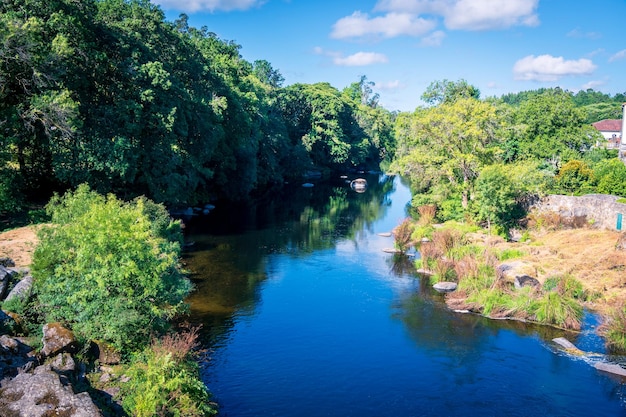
{"x":445,"y":91}
{"x":574,"y":176}
{"x":447,"y":144}
{"x":108,"y":269}
{"x":610,"y":175}
{"x":494,"y":195}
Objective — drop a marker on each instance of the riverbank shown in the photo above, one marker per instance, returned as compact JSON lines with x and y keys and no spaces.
{"x":589,"y":255}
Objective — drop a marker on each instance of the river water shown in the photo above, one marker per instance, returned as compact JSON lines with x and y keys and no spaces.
{"x":304,"y":314}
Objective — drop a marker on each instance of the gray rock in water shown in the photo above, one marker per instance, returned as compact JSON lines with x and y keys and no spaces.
{"x":22,"y":289}
{"x":526,"y":281}
{"x":611,"y":368}
{"x":42,"y":394}
{"x":445,"y":286}
{"x":564,"y":343}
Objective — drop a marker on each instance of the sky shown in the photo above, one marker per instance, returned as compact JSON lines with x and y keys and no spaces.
{"x":402,"y":46}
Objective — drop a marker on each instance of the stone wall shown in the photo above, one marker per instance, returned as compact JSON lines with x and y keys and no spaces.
{"x":600,"y":210}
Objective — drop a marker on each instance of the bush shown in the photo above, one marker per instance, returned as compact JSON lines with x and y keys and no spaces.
{"x":554,"y":309}
{"x":614,"y":329}
{"x":403,"y":235}
{"x":165,"y":380}
{"x":109,"y":269}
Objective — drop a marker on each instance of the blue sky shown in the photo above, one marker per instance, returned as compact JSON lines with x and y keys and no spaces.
{"x":499,"y":46}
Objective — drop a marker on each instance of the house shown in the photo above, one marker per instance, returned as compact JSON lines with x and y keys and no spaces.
{"x":613,"y":131}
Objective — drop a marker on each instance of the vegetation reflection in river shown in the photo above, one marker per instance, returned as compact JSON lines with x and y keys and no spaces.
{"x":229,"y":251}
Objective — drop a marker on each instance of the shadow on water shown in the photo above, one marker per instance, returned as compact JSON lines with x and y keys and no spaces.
{"x":228,"y":249}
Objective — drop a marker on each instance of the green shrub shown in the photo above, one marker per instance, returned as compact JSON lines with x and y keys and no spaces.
{"x":566,"y":286}
{"x":109,"y":269}
{"x":165,"y":381}
{"x":614,"y":329}
{"x":556,"y":310}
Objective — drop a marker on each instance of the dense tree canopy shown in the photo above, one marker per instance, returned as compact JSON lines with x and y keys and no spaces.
{"x":110,"y":93}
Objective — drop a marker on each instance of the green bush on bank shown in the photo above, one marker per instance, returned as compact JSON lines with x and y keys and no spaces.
{"x":109,"y":269}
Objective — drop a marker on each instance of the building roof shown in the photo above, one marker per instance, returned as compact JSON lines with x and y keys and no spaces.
{"x":608,"y":125}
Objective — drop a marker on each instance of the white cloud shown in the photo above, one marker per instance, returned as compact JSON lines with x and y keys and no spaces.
{"x":469,"y":14}
{"x":593,"y":85}
{"x":358,"y":59}
{"x":577,"y":33}
{"x":388,"y":26}
{"x":192,"y":6}
{"x":491,"y":14}
{"x":618,"y":56}
{"x":390,"y":85}
{"x":550,"y":68}
{"x":434,"y":39}
{"x":361,"y":59}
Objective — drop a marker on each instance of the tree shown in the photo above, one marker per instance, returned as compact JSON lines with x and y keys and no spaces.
{"x":109,"y":269}
{"x":494,"y":195}
{"x":445,"y":91}
{"x":448,"y":144}
{"x":574,"y":176}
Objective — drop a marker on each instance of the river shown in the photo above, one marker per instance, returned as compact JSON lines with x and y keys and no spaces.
{"x":304,"y":314}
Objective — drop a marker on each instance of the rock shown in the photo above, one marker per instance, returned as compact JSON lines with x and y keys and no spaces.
{"x":8,"y":324}
{"x":385,"y":234}
{"x":63,"y":363}
{"x":22,"y":289}
{"x":391,"y":250}
{"x":611,"y":368}
{"x":526,"y":281}
{"x":509,"y":271}
{"x":307,"y":185}
{"x":7,"y":262}
{"x":445,"y":286}
{"x":42,"y":394}
{"x":107,"y":354}
{"x":8,"y":343}
{"x":5,"y":280}
{"x":563,"y":342}
{"x":57,"y":339}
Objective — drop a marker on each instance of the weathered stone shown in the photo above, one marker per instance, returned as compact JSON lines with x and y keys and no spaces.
{"x":57,"y":339}
{"x":22,"y":289}
{"x":8,"y":324}
{"x":8,"y":343}
{"x":597,"y":210}
{"x":445,"y":286}
{"x":611,"y":368}
{"x":526,"y":281}
{"x":5,"y":280}
{"x":63,"y":363}
{"x":7,"y":262}
{"x":41,"y":394}
{"x":568,"y":346}
{"x":107,"y":354}
{"x":509,"y":271}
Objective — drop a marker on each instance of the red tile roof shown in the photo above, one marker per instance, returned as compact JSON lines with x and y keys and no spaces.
{"x":608,"y":125}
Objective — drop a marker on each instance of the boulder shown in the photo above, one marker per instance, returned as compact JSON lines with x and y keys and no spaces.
{"x":445,"y":286}
{"x":42,"y":394}
{"x":22,"y":289}
{"x":7,"y":262}
{"x":57,"y":339}
{"x":509,"y":271}
{"x":5,"y":280}
{"x":63,"y":363}
{"x":611,"y":368}
{"x":107,"y":354}
{"x":526,"y":281}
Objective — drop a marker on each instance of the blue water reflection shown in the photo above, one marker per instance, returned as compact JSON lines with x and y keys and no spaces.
{"x":304,"y":319}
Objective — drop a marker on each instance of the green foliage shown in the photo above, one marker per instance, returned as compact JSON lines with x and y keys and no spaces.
{"x":574,"y":177}
{"x":507,"y":254}
{"x":611,"y":177}
{"x":554,"y":309}
{"x":614,"y":329}
{"x":445,"y":91}
{"x":403,"y":235}
{"x":495,"y":195}
{"x":566,"y":286}
{"x":108,"y":269}
{"x":165,"y":380}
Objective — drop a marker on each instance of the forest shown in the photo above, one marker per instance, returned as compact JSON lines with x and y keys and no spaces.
{"x":111,"y":94}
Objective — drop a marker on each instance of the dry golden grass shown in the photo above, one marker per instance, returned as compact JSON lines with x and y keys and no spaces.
{"x":589,"y":255}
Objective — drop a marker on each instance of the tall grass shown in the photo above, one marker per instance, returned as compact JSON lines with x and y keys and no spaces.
{"x":427,"y":214}
{"x":556,"y":310}
{"x":403,"y":235}
{"x":614,"y":329}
